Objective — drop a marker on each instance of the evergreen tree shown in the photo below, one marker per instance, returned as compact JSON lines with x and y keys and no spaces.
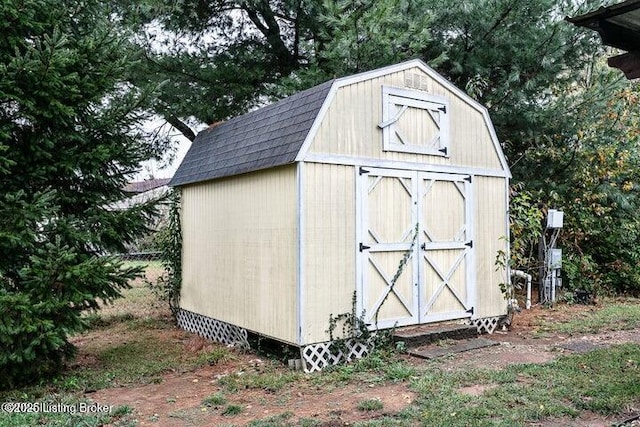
{"x":70,"y":139}
{"x":219,"y":58}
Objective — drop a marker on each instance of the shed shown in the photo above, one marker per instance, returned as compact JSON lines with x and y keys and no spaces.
{"x":303,"y":209}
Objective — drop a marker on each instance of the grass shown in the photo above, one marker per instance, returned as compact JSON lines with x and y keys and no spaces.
{"x":116,"y":338}
{"x":120,"y":363}
{"x":398,"y":371}
{"x":614,"y":315}
{"x":52,"y":410}
{"x":215,"y":356}
{"x":277,"y":420}
{"x":603,"y":381}
{"x":272,"y":380}
{"x":367,"y":405}
{"x":606,"y":382}
{"x":217,"y":399}
{"x":149,"y":266}
{"x":232,"y":409}
{"x":386,"y":422}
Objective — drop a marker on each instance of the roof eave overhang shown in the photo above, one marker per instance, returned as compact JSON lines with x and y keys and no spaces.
{"x":613,"y":25}
{"x":628,"y":63}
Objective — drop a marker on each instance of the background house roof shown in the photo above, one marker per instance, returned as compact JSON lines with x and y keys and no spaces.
{"x":619,"y":27}
{"x":264,"y":138}
{"x":147,"y":185}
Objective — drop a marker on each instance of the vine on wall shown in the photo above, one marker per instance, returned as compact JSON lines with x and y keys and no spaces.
{"x":170,"y":243}
{"x":354,"y":326}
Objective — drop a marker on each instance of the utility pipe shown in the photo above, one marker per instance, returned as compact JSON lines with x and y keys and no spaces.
{"x":523,"y":275}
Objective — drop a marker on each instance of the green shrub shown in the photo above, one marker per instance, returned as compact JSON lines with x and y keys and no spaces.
{"x":41,"y":310}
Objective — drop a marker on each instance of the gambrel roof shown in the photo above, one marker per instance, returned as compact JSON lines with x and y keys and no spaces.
{"x":268,"y":137}
{"x":280,"y":133}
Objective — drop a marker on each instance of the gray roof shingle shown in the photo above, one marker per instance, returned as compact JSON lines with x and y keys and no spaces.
{"x":264,"y":138}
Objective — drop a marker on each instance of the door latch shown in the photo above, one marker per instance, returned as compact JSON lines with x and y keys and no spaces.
{"x":364,"y":247}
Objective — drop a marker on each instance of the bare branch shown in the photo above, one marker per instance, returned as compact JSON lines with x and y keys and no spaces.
{"x":181,"y":126}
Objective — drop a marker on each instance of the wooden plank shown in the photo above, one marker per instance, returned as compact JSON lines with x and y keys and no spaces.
{"x":329,"y":266}
{"x":421,"y":335}
{"x":433,"y":351}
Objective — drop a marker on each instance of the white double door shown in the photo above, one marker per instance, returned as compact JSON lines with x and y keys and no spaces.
{"x":416,"y":247}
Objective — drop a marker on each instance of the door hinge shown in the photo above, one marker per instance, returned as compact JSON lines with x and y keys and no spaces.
{"x":364,"y":247}
{"x":468,"y":179}
{"x":443,"y":109}
{"x":471,"y":310}
{"x":363,"y":171}
{"x":443,"y":150}
{"x":469,"y":243}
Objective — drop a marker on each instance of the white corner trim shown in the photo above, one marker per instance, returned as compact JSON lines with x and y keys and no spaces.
{"x":304,"y":149}
{"x":359,"y":190}
{"x":300,"y":251}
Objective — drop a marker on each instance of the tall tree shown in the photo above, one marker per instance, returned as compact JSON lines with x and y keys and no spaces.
{"x":359,"y":36}
{"x":520,"y":59}
{"x":70,"y":138}
{"x":537,"y":74}
{"x":219,"y":58}
{"x":591,"y":169}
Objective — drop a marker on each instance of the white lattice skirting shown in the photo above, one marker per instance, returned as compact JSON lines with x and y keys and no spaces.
{"x":213,"y":329}
{"x":486,"y":325}
{"x":316,"y":357}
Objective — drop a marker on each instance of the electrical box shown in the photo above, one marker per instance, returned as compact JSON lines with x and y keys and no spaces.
{"x":555,"y":258}
{"x":555,"y":218}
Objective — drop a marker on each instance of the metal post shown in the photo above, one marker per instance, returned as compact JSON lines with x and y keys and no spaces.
{"x":551,"y":257}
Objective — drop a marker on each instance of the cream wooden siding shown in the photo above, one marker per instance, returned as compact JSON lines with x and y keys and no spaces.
{"x":490,"y":233}
{"x":329,"y":278}
{"x":239,"y":254}
{"x":350,"y":126}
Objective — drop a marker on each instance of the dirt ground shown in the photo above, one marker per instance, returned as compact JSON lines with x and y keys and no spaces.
{"x":177,"y":399}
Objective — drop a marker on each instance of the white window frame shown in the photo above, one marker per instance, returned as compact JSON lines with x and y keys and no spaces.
{"x":393,"y":96}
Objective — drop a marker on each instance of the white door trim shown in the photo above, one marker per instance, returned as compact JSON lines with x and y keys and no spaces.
{"x":373,"y":245}
{"x":463,"y":183}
